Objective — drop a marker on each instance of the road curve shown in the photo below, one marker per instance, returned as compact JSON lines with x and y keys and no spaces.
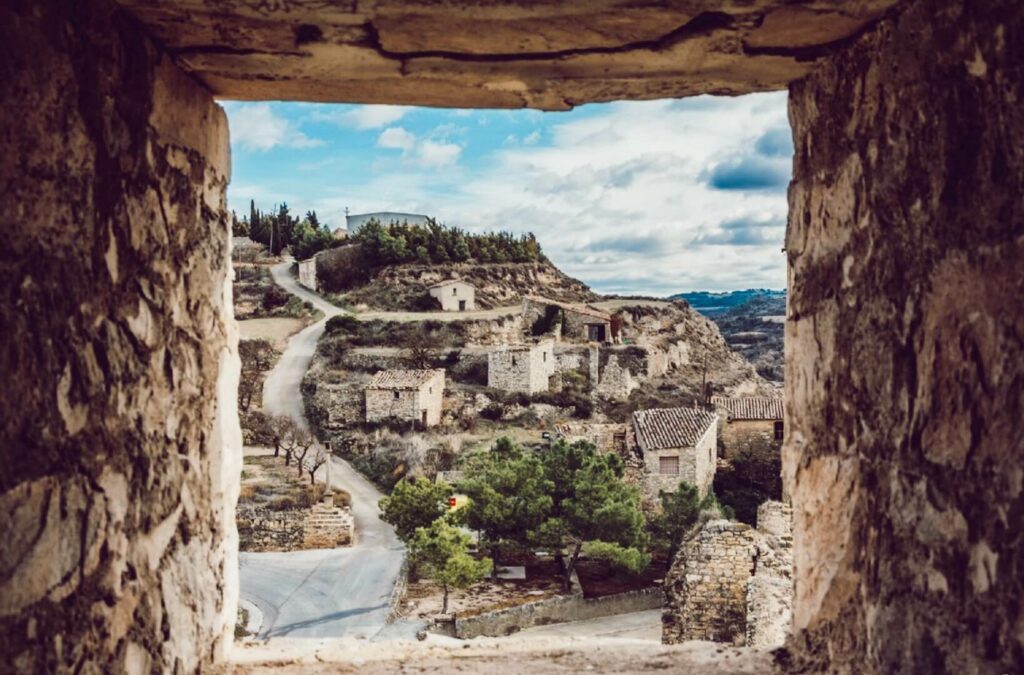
{"x":341,"y":592}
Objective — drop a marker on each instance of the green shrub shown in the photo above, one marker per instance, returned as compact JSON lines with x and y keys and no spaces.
{"x":493,"y":412}
{"x":342,"y":323}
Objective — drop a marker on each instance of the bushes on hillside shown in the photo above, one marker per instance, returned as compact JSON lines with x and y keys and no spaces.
{"x":435,"y":243}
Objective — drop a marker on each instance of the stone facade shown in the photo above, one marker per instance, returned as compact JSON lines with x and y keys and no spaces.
{"x":678,"y":445}
{"x":415,"y":396}
{"x":903,"y":448}
{"x":523,"y":368}
{"x":706,"y":588}
{"x":454,"y":296}
{"x":327,"y":525}
{"x":119,"y":436}
{"x":733,"y":583}
{"x":578,"y":322}
{"x":307,"y":273}
{"x":264,"y":529}
{"x":615,"y":382}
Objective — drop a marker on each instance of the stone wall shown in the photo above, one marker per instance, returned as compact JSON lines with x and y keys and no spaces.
{"x":748,"y":436}
{"x":408,"y":404}
{"x":905,"y":346}
{"x":264,"y":529}
{"x":327,"y":526}
{"x":616,"y":382}
{"x":732,"y":583}
{"x":307,"y":273}
{"x":696,"y":466}
{"x":119,"y":438}
{"x":706,"y":587}
{"x":521,"y":368}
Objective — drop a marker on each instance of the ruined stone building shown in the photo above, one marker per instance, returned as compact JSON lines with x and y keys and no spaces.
{"x":610,"y":438}
{"x":678,"y":445}
{"x":525,"y":368}
{"x":415,"y":396}
{"x":120,"y":436}
{"x":307,"y":273}
{"x":615,"y":381}
{"x":750,"y":424}
{"x":733,"y":583}
{"x":454,"y":295}
{"x":577,"y":321}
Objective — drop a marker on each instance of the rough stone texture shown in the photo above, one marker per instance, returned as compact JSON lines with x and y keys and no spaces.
{"x":327,"y":526}
{"x":493,"y":54}
{"x":616,"y":382}
{"x":748,"y":436}
{"x":307,"y":273}
{"x":732,"y":583}
{"x":706,"y":587}
{"x":522,"y":368}
{"x":696,"y":462}
{"x":264,"y":529}
{"x":420,"y":404}
{"x":905,"y":346}
{"x":770,"y":590}
{"x":119,"y":437}
{"x":454,"y":296}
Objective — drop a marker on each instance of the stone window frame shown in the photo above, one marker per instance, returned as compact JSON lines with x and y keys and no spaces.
{"x":661,"y":465}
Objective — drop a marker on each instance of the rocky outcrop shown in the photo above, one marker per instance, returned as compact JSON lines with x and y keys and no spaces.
{"x":549,"y":55}
{"x":905,"y":346}
{"x":119,"y":436}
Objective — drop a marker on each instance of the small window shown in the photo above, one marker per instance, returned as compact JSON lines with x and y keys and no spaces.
{"x":668,"y":465}
{"x":779,"y":430}
{"x":545,"y":355}
{"x":455,"y":291}
{"x":396,"y":394}
{"x":513,"y":362}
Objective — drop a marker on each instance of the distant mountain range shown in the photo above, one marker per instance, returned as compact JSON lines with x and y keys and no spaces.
{"x":751,"y":322}
{"x":713,"y":304}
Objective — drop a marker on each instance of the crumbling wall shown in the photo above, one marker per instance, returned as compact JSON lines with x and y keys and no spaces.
{"x":755,"y":437}
{"x":706,"y":587}
{"x":119,"y":437}
{"x":616,"y":382}
{"x":770,"y":590}
{"x":905,"y":346}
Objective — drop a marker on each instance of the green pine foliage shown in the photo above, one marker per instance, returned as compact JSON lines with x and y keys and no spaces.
{"x":279,"y":230}
{"x":414,"y":503}
{"x":440,"y":551}
{"x":435,"y":243}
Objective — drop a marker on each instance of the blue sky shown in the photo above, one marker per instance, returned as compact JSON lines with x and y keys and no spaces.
{"x":652,"y":197}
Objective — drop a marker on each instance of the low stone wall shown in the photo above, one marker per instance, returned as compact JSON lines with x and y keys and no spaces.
{"x":263,"y":529}
{"x":559,"y":609}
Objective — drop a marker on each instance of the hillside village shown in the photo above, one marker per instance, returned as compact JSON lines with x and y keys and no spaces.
{"x":454,"y":359}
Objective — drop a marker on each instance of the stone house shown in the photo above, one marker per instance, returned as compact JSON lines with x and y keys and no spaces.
{"x":678,"y":445}
{"x":412,"y":395}
{"x":754,"y":424}
{"x":526,"y":368}
{"x":578,"y":322}
{"x":307,"y":273}
{"x":454,"y":295}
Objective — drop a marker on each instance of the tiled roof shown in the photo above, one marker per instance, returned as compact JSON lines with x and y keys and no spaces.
{"x":660,"y":428}
{"x":752,"y":407}
{"x":570,"y":307}
{"x":402,"y":379}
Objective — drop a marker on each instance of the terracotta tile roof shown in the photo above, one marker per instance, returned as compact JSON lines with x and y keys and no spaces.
{"x":570,"y":307}
{"x":752,"y":407}
{"x":660,"y":428}
{"x":402,"y":379}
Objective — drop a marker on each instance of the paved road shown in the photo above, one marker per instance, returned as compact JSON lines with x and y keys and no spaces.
{"x":645,"y":626}
{"x":333,"y":592}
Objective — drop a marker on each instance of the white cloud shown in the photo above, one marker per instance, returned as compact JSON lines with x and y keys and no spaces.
{"x":396,"y":138}
{"x":370,"y":116}
{"x":532,"y":137}
{"x":256,"y":126}
{"x":435,"y":154}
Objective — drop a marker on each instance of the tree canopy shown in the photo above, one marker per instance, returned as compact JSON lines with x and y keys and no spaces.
{"x":435,"y":243}
{"x":441,"y":552}
{"x":279,"y":229}
{"x":414,"y":503}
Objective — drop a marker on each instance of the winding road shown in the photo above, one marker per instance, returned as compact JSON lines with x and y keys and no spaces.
{"x":342,"y":592}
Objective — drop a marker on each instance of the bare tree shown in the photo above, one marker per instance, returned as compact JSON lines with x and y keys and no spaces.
{"x":280,"y":431}
{"x":255,"y":354}
{"x":420,"y":351}
{"x":248,"y":387}
{"x":302,"y":441}
{"x":319,"y":458}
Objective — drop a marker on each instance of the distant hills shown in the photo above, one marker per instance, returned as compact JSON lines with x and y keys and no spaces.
{"x":751,"y":322}
{"x":714,"y":304}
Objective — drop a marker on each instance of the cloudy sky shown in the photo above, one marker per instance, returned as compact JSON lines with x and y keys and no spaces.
{"x":650,"y":197}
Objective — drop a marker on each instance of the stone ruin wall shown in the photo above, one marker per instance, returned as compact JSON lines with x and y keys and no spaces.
{"x":706,"y":588}
{"x":307,"y":273}
{"x":510,"y":368}
{"x":903,"y":448}
{"x":616,"y":382}
{"x":748,"y":436}
{"x":733,"y":583}
{"x":120,"y":436}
